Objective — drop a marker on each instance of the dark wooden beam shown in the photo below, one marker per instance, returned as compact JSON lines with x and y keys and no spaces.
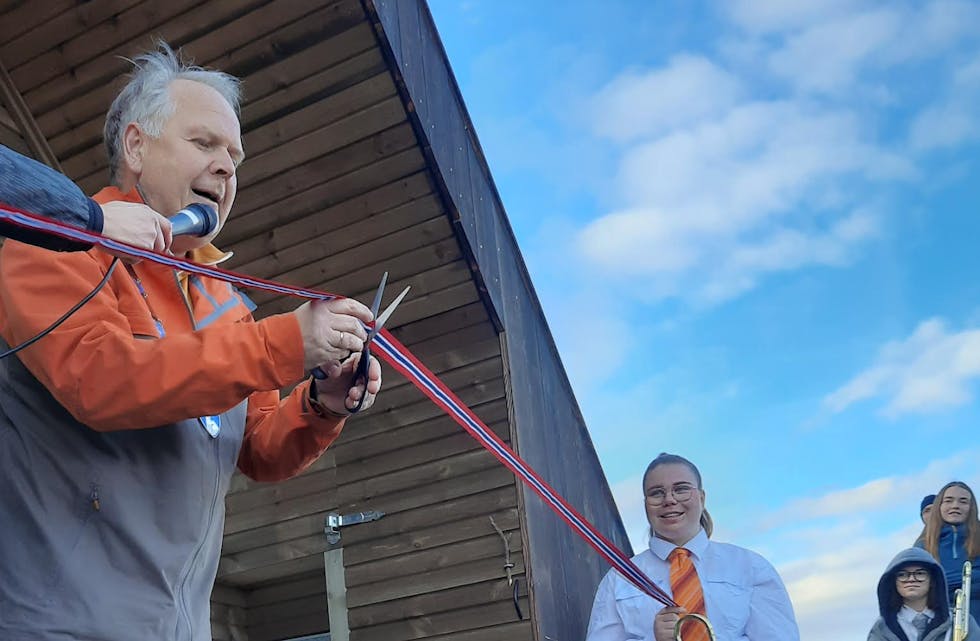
{"x":25,"y":120}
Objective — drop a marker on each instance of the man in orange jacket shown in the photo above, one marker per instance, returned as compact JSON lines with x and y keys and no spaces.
{"x":120,"y":430}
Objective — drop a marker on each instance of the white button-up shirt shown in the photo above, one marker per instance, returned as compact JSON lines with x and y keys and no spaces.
{"x":744,"y":598}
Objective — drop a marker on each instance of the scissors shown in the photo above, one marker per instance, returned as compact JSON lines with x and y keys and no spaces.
{"x":361,"y":373}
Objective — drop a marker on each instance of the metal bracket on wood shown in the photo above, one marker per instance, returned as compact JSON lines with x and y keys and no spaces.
{"x":335,"y":521}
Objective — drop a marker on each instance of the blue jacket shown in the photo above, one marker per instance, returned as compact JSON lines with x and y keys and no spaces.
{"x":952,"y":555}
{"x":60,"y":200}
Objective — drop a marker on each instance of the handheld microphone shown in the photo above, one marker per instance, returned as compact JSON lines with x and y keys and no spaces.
{"x":195,"y":219}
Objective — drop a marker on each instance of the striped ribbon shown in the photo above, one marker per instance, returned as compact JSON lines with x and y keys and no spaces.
{"x":399,"y":357}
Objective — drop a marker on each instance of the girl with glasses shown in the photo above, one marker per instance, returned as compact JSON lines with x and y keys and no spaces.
{"x":912,"y":601}
{"x":738,"y":591}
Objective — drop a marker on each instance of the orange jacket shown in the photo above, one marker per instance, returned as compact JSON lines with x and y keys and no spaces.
{"x":110,"y":369}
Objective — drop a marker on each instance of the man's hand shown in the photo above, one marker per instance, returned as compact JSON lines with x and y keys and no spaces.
{"x":664,"y":622}
{"x":336,"y":393}
{"x":136,"y":224}
{"x":333,"y":337}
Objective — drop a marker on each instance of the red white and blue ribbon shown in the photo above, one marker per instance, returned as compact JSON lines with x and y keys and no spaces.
{"x":399,"y":357}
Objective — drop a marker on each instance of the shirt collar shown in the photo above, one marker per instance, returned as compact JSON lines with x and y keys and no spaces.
{"x":907,"y":614}
{"x":697,"y":546}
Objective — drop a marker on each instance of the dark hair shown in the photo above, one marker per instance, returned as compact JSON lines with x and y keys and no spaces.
{"x":935,"y":525}
{"x":665,"y":459}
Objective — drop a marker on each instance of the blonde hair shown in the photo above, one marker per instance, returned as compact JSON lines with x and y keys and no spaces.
{"x":665,"y":459}
{"x":935,"y":525}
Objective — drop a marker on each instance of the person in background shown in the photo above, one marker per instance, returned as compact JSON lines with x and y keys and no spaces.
{"x":35,"y":188}
{"x":925,"y":509}
{"x":912,"y":601}
{"x":953,"y":537}
{"x":736,"y":589}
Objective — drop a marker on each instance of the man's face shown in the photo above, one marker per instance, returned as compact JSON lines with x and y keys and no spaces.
{"x":926,"y":511}
{"x":912,"y":582}
{"x":194,"y":159}
{"x":955,"y":505}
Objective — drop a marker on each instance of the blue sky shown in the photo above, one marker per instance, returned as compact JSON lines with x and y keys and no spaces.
{"x":753,"y":229}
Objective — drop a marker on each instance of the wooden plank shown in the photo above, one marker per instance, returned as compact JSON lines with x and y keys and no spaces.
{"x":299,"y":626}
{"x":342,"y":147}
{"x":293,"y":264}
{"x":89,"y":108}
{"x":376,"y":208}
{"x":412,"y":542}
{"x":433,"y":602}
{"x":439,"y":437}
{"x":22,"y":16}
{"x":517,"y":631}
{"x":317,"y":114}
{"x":306,"y":134}
{"x":284,"y":610}
{"x":315,"y":482}
{"x":479,"y":482}
{"x":293,"y":588}
{"x":253,"y":215}
{"x":210,"y":37}
{"x":396,"y":547}
{"x":78,"y":21}
{"x":413,"y":308}
{"x":287,"y":93}
{"x":473,"y":571}
{"x":429,"y":560}
{"x":48,"y":79}
{"x":483,"y":616}
{"x":435,"y":326}
{"x":227,"y":595}
{"x":427,"y":264}
{"x":229,"y":53}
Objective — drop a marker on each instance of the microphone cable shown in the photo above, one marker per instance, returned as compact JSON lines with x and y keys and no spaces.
{"x":50,"y":328}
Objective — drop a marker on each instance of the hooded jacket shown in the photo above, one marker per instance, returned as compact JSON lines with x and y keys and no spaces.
{"x":114,"y":478}
{"x":887,"y":628}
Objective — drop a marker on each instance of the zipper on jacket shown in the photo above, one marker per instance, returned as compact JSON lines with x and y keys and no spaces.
{"x":181,"y":587}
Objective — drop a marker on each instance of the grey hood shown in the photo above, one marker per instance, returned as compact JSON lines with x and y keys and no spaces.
{"x":889,"y":602}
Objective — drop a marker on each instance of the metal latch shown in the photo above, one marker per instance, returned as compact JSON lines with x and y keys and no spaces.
{"x":334,"y":521}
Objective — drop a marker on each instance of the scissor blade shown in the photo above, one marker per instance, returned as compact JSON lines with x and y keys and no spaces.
{"x":376,"y":304}
{"x":385,"y":315}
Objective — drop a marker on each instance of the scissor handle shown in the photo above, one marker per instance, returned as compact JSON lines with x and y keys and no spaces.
{"x":361,"y":373}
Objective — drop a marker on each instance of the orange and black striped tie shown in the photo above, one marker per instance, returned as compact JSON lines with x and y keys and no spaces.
{"x":686,"y":590}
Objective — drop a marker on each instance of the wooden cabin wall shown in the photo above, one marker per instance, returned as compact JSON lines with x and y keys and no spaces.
{"x":550,"y":430}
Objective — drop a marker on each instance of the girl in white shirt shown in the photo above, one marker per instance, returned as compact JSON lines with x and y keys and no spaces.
{"x":744,"y":598}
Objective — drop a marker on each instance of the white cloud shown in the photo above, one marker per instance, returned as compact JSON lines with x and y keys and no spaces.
{"x":930,"y":370}
{"x":714,"y":206}
{"x":951,"y":120}
{"x":766,"y":16}
{"x":828,"y":56}
{"x":877,"y":495}
{"x":687,"y":90}
{"x":824,"y":47}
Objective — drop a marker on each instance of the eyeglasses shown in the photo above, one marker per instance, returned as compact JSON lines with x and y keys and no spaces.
{"x":681,"y":493}
{"x":914,"y":575}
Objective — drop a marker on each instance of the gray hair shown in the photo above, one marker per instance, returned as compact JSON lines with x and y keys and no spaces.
{"x":146,"y":98}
